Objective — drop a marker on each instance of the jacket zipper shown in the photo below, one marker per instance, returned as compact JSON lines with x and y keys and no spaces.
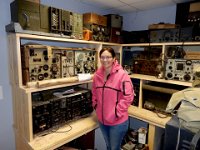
{"x":103,"y":97}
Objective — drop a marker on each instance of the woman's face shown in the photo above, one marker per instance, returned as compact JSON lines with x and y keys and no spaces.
{"x":106,"y":59}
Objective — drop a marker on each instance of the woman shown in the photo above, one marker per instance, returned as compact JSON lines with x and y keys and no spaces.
{"x":112,"y":95}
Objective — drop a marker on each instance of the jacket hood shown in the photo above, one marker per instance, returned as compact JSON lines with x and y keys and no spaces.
{"x":115,"y":67}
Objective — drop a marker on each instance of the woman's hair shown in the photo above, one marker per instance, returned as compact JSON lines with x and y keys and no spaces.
{"x":109,"y":49}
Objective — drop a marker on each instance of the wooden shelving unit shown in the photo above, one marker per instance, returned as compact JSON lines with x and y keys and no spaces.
{"x":143,"y":114}
{"x":22,"y":100}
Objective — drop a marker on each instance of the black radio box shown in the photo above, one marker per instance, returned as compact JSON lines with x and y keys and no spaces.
{"x":114,"y":21}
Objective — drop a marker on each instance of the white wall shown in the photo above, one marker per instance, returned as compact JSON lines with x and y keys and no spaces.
{"x":132,"y":21}
{"x":141,"y":20}
{"x":6,"y":116}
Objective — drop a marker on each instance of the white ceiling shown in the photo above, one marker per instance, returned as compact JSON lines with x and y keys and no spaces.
{"x":125,"y":6}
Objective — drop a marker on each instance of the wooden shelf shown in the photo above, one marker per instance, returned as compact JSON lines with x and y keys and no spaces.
{"x":60,"y":137}
{"x":162,"y":44}
{"x":147,"y":116}
{"x":36,"y":89}
{"x":153,"y":78}
{"x":60,"y":38}
{"x":22,"y":100}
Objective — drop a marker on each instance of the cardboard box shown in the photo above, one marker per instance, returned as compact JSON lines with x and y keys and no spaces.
{"x":142,"y":133}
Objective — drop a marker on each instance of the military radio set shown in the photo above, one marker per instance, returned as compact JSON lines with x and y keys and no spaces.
{"x":57,"y":107}
{"x":163,"y":33}
{"x":37,"y":17}
{"x":88,"y":26}
{"x":181,"y":69}
{"x":42,"y":62}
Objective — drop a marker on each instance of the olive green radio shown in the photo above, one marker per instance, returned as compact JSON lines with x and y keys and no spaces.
{"x":30,"y":15}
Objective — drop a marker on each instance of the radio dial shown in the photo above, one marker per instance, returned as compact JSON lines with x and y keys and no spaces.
{"x":170,"y":75}
{"x":46,"y":75}
{"x":187,"y":77}
{"x":46,"y":58}
{"x":40,"y":77}
{"x":45,"y":67}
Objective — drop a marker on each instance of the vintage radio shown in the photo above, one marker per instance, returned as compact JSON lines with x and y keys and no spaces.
{"x":58,"y":111}
{"x":55,"y":19}
{"x":114,"y":21}
{"x":62,"y":106}
{"x":41,"y":117}
{"x":67,"y":63}
{"x":136,"y":36}
{"x":126,"y":37}
{"x":175,"y":52}
{"x":147,"y":67}
{"x":85,"y":61}
{"x":77,"y":31}
{"x":165,"y":35}
{"x":196,"y":32}
{"x":39,"y":63}
{"x":44,"y":18}
{"x":186,"y":34}
{"x":115,"y":35}
{"x":66,"y":22}
{"x":61,"y":21}
{"x":26,"y":13}
{"x":181,"y":69}
{"x":66,"y":60}
{"x":99,"y":33}
{"x":97,"y":24}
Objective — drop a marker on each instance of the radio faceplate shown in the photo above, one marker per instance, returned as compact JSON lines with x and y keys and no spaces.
{"x":181,"y":69}
{"x":41,"y":62}
{"x":67,"y":63}
{"x":85,"y":61}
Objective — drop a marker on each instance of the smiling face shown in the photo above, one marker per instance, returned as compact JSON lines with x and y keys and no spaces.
{"x":107,"y":60}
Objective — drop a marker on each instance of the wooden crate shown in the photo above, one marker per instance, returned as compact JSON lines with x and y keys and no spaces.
{"x":90,"y":18}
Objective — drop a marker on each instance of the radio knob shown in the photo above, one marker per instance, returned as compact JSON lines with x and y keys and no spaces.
{"x":169,"y":75}
{"x":40,"y":77}
{"x":39,"y":70}
{"x":46,"y":75}
{"x":46,"y":57}
{"x":54,"y":60}
{"x":187,"y":77}
{"x":170,"y":67}
{"x":45,"y":67}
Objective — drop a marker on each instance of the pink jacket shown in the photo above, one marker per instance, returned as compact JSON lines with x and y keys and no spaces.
{"x":112,"y":98}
